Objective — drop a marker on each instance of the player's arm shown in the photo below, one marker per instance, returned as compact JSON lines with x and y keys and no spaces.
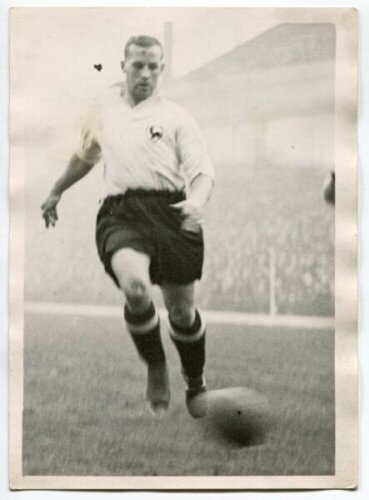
{"x":76,"y":170}
{"x":200,"y":190}
{"x":88,"y":152}
{"x":198,"y":171}
{"x":193,"y":208}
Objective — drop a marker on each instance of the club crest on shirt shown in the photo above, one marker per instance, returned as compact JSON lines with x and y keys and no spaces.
{"x":155,"y":132}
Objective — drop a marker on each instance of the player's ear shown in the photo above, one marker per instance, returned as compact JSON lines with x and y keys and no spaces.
{"x":122,"y":65}
{"x":162,"y":67}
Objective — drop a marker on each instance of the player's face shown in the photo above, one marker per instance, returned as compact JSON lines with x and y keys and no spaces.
{"x":142,"y":68}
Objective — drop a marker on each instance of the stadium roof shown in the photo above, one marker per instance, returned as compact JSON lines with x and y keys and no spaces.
{"x":287,"y":70}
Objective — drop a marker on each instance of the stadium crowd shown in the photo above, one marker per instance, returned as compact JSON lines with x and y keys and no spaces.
{"x":297,"y":229}
{"x":251,"y":214}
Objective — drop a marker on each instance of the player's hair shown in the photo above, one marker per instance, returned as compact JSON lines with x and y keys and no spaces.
{"x":142,"y":41}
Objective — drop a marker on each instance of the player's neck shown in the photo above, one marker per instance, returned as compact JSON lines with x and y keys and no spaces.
{"x":131,"y":100}
{"x":134,"y":102}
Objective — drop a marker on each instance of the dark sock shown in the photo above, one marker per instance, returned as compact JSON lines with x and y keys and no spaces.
{"x":145,"y":332}
{"x":190,"y":344}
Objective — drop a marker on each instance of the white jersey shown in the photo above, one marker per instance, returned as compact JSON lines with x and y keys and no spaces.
{"x":153,"y":145}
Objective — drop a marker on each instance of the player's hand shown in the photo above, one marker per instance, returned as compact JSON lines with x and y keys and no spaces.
{"x":193,"y":215}
{"x":48,"y":208}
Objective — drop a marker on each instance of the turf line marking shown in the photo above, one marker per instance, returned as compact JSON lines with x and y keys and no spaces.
{"x":215,"y":317}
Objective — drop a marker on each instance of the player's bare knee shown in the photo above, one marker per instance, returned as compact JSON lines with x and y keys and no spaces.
{"x":182,"y":314}
{"x":137,"y":293}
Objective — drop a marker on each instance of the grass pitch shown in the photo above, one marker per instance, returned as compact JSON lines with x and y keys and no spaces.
{"x":85,"y":412}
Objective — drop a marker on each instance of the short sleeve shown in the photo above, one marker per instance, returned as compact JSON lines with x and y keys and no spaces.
{"x":192,"y":149}
{"x":89,"y":145}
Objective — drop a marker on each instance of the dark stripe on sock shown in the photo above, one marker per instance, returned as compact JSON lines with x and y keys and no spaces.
{"x":136,"y":319}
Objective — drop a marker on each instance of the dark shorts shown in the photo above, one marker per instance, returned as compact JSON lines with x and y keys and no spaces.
{"x":144,"y":221}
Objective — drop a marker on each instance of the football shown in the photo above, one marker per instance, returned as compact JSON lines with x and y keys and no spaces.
{"x":237,"y":415}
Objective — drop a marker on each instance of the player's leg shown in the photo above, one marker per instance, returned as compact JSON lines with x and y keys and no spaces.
{"x":131,"y":269}
{"x":187,"y":331}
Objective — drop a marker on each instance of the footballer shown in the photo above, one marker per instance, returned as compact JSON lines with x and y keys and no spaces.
{"x":158,"y":179}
